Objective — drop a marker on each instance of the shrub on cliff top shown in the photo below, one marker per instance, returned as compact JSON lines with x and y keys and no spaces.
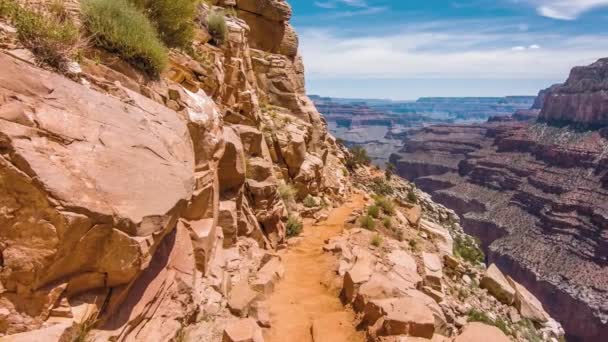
{"x":120,"y":27}
{"x":174,"y":19}
{"x":216,"y":24}
{"x":367,"y":222}
{"x":468,"y":249}
{"x":53,"y":39}
{"x":386,"y":205}
{"x":358,"y":157}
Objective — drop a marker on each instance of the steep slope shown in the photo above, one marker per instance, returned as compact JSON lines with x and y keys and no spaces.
{"x":534,"y":194}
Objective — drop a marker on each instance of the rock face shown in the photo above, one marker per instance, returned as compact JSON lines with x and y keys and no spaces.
{"x":535,"y":195}
{"x":134,"y":205}
{"x":583,"y":99}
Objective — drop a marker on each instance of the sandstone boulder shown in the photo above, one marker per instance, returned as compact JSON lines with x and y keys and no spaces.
{"x":232,"y":165}
{"x":496,"y":283}
{"x":243,"y":330}
{"x":527,"y":304}
{"x":276,"y":10}
{"x":241,"y":298}
{"x":441,"y":236}
{"x":433,"y":270}
{"x":479,"y":332}
{"x":94,"y":207}
{"x":400,"y":316}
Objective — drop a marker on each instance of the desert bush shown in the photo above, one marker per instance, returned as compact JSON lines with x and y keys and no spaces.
{"x":53,"y":38}
{"x":358,"y":157}
{"x":468,"y":249}
{"x":309,"y":202}
{"x":174,"y":19}
{"x":387,"y":222}
{"x":477,"y":316}
{"x":216,"y":24}
{"x":381,"y":187}
{"x":373,"y":211}
{"x":389,"y":171}
{"x":294,"y":226}
{"x":411,"y":196}
{"x":386,"y":205}
{"x":376,"y":240}
{"x":287,"y":192}
{"x":120,"y":27}
{"x":367,"y":222}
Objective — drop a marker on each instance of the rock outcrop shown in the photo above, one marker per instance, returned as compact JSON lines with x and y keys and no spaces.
{"x":582,"y":99}
{"x":534,"y":194}
{"x":131,"y":207}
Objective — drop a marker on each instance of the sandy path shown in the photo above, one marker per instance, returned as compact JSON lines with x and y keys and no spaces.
{"x":302,"y":297}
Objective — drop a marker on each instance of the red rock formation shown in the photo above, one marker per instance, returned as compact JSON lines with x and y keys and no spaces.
{"x":534,"y":195}
{"x":583,"y":99}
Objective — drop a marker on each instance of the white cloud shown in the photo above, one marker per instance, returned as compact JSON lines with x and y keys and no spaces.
{"x":419,"y":52}
{"x":566,"y":9}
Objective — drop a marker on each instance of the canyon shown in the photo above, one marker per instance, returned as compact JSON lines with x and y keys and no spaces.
{"x":195,"y":193}
{"x":535,"y":192}
{"x":380,"y":125}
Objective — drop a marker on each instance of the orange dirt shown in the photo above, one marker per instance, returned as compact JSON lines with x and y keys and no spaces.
{"x":304,"y":296}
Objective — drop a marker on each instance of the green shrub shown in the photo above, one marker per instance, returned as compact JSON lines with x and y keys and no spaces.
{"x":400,"y":236}
{"x":386,"y":205}
{"x":294,"y":226}
{"x":358,"y":157}
{"x":216,"y":24}
{"x":468,"y":249}
{"x":373,"y":211}
{"x":387,"y":222}
{"x":309,"y":202}
{"x":381,"y":187}
{"x":478,"y":316}
{"x":367,"y":222}
{"x":411,"y":196}
{"x":53,"y":38}
{"x":287,"y":192}
{"x":119,"y":27}
{"x":376,"y":240}
{"x":174,"y":19}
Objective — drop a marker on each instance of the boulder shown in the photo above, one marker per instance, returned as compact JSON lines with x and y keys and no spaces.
{"x":441,"y":236}
{"x":400,"y":316}
{"x":357,"y":275}
{"x":232,"y":165}
{"x":81,"y":184}
{"x":268,"y":276}
{"x":241,"y":298}
{"x":413,"y":215}
{"x":527,"y":304}
{"x":497,"y":285}
{"x":228,"y":221}
{"x":433,"y":270}
{"x":243,"y":330}
{"x":479,"y":332}
{"x":275,"y":10}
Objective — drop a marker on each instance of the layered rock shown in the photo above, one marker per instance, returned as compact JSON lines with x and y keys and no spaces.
{"x":132,"y":205}
{"x":582,"y":99}
{"x":536,"y":197}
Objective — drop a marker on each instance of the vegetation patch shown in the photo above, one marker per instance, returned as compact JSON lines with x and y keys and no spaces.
{"x":412,"y":197}
{"x":478,"y":316}
{"x":287,"y":192}
{"x":216,"y":24}
{"x":120,"y":27}
{"x":387,"y":222}
{"x":373,"y":211}
{"x":381,"y":187}
{"x":467,"y":247}
{"x":377,"y":240}
{"x":387,"y":205}
{"x":174,"y":19}
{"x":358,"y":157}
{"x":53,"y":38}
{"x":309,"y":202}
{"x":367,"y":222}
{"x":294,"y":226}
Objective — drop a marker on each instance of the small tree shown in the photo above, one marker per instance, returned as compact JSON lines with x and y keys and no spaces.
{"x":216,"y":24}
{"x":358,"y":157}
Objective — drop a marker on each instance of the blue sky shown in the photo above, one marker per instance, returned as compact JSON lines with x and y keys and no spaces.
{"x":405,"y":49}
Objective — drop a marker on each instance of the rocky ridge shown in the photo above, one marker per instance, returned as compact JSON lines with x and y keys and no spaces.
{"x":534,"y":194}
{"x":138,"y":209}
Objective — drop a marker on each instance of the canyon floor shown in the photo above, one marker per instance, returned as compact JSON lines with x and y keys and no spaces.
{"x":306,"y":294}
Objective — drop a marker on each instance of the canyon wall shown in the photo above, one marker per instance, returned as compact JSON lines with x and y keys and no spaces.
{"x":122,"y":196}
{"x":536,"y":196}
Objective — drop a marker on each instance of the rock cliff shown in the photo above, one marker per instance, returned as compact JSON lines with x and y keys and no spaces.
{"x":534,"y":194}
{"x":158,"y":207}
{"x":582,"y":99}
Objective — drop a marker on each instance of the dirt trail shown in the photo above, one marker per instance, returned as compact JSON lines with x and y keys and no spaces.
{"x":302,"y":295}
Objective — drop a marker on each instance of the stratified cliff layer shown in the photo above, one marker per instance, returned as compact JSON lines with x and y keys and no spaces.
{"x":126,"y":201}
{"x":537,"y":197}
